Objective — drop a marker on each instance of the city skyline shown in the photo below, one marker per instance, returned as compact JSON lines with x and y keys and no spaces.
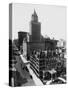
{"x":37,"y":45}
{"x":53,"y":20}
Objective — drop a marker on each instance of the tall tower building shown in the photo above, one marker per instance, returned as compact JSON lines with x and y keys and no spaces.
{"x":35,"y":28}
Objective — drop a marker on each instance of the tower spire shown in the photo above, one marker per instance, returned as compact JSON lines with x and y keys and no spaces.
{"x":34,"y":16}
{"x":35,"y":13}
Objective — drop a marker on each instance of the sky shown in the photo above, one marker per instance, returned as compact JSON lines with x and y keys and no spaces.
{"x":52,"y":18}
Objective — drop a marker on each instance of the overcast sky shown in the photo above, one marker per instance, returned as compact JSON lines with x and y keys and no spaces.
{"x":52,"y":18}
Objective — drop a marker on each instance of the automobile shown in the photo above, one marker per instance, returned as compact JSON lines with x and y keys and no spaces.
{"x":57,"y":81}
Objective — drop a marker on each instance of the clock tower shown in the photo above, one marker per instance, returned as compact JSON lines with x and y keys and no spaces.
{"x":35,"y":28}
